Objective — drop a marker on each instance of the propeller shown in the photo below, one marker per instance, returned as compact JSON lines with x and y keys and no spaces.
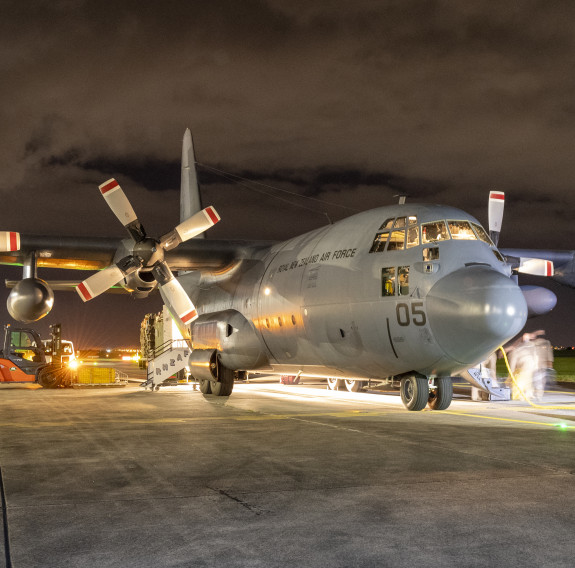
{"x":539,"y":300}
{"x":147,"y":253}
{"x":533,"y":266}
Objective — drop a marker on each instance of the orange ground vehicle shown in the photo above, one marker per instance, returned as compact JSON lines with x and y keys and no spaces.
{"x":22,"y":360}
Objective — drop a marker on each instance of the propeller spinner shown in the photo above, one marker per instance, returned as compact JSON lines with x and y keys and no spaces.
{"x":148,"y":253}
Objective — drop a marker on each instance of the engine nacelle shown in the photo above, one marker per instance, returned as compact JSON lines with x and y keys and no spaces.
{"x":140,"y":283}
{"x":234,"y":338}
{"x":30,"y":300}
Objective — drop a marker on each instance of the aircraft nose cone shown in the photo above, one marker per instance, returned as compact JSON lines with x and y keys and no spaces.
{"x":473,"y":310}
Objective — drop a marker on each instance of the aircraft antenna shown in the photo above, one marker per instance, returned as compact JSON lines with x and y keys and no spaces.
{"x":234,"y":177}
{"x":402,"y":197}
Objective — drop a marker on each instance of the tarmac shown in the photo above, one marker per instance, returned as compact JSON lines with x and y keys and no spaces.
{"x":282,"y":475}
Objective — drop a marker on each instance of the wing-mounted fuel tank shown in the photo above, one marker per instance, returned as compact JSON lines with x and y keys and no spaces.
{"x":30,"y":300}
{"x":233,"y":336}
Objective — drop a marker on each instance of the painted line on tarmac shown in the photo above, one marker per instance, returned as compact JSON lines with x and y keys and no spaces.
{"x":501,"y":419}
{"x":242,"y":418}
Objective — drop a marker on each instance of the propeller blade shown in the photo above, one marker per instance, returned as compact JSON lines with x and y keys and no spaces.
{"x":536,"y":267}
{"x":9,"y":241}
{"x":495,"y":213}
{"x":122,"y":209}
{"x":99,"y":282}
{"x":190,"y":228}
{"x":180,"y":301}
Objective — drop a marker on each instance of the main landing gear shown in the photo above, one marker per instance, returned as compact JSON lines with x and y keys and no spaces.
{"x":352,"y":385}
{"x":222,"y":387}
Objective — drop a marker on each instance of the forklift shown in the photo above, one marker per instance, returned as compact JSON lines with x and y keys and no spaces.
{"x":23,"y":360}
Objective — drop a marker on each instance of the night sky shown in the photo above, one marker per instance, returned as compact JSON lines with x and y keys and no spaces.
{"x":346,"y":102}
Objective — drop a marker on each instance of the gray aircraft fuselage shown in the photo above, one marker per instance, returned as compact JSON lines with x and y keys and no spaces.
{"x":324,"y":305}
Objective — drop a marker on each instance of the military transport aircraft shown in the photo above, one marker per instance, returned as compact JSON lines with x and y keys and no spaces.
{"x":408,"y":292}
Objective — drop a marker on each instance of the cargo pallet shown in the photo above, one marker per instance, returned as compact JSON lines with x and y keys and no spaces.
{"x":99,"y":377}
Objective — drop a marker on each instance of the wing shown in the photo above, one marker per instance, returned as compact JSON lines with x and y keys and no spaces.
{"x":563,"y":262}
{"x":92,"y":253}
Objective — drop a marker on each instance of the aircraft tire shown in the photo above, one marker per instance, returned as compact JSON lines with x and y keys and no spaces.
{"x":333,"y":384}
{"x":441,"y":399}
{"x":225,"y":385}
{"x":353,"y":385}
{"x":414,"y":392}
{"x":205,"y":386}
{"x":51,"y":377}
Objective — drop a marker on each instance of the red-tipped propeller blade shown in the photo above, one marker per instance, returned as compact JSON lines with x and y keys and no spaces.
{"x":197,"y":223}
{"x":179,"y":301}
{"x":536,"y":267}
{"x":495,"y":214}
{"x":118,"y":202}
{"x":9,"y":241}
{"x":99,"y":282}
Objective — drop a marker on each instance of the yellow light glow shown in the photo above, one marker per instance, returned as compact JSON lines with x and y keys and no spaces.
{"x":267,"y":291}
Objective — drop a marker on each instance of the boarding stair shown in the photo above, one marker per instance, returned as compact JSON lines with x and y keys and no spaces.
{"x":167,"y":359}
{"x":484,"y":386}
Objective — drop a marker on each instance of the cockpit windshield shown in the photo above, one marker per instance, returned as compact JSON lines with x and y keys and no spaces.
{"x":433,"y":232}
{"x":402,"y":233}
{"x":461,"y":231}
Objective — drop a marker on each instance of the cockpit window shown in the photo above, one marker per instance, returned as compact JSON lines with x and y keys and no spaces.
{"x":379,"y":242}
{"x":403,"y":280}
{"x":397,"y":235}
{"x":388,"y":281}
{"x":483,"y":236}
{"x":413,"y":236}
{"x":461,"y":231}
{"x":433,"y":232}
{"x":387,"y":224}
{"x":498,"y":255}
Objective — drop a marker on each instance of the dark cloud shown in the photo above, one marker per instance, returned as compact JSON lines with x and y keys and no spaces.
{"x":349,"y":102}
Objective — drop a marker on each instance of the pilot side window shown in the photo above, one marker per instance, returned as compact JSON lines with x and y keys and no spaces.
{"x":379,"y":242}
{"x":388,"y":281}
{"x":482,"y":234}
{"x":381,"y":238}
{"x":387,"y":224}
{"x":433,"y":232}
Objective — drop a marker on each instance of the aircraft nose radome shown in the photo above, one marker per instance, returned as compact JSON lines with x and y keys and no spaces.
{"x":473,"y":310}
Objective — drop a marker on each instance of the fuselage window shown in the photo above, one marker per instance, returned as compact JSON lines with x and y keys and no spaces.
{"x":433,"y":232}
{"x":461,"y":231}
{"x":403,"y":280}
{"x":482,"y":234}
{"x":388,"y":281}
{"x":431,"y":253}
